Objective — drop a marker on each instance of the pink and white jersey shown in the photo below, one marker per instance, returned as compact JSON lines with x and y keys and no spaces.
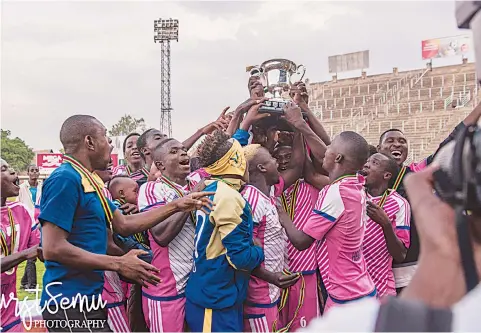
{"x":271,"y":234}
{"x":195,"y":177}
{"x":119,"y":170}
{"x":107,"y":193}
{"x":340,"y":217}
{"x":378,"y":259}
{"x":175,"y":261}
{"x":302,"y":195}
{"x":113,"y":288}
{"x":26,"y":236}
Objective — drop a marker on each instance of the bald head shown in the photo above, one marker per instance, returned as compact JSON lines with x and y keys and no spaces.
{"x":354,"y":148}
{"x":75,"y":129}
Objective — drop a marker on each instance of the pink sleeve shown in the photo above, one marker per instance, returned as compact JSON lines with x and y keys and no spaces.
{"x":34,"y":238}
{"x":403,"y":223}
{"x":279,"y":187}
{"x":327,"y":211}
{"x":416,"y":167}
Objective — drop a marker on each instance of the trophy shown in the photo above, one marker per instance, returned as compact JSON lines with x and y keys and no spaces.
{"x":277,"y":76}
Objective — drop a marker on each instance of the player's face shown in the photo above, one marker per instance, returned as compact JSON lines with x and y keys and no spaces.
{"x":33,"y":173}
{"x":272,"y":171}
{"x":283,"y":155}
{"x":101,"y":146}
{"x":175,"y":160}
{"x":153,"y":139}
{"x":375,"y":169}
{"x":131,"y":153}
{"x":130,"y":191}
{"x":394,"y":144}
{"x":10,"y":183}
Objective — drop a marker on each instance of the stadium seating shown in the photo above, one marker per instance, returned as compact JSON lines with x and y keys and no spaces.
{"x":426,"y":104}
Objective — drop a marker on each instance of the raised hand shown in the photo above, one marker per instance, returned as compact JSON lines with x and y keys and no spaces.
{"x":292,"y":114}
{"x":221,"y":123}
{"x":195,"y":201}
{"x":138,"y":270}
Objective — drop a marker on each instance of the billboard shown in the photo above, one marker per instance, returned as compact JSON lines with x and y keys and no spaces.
{"x":349,"y":62}
{"x":48,"y":162}
{"x":445,"y":47}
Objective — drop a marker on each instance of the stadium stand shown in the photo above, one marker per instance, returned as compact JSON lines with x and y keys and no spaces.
{"x":426,"y":104}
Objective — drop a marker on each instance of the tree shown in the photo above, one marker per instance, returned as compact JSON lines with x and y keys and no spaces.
{"x":126,"y":125}
{"x":16,"y":152}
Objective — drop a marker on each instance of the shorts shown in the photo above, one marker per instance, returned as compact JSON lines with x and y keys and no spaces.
{"x":164,"y":314}
{"x":333,"y":302}
{"x":308,"y":310}
{"x":260,"y":317}
{"x":200,"y":319}
{"x":117,"y":317}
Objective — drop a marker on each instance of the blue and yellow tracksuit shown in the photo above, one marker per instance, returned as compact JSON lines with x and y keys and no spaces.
{"x":224,"y":257}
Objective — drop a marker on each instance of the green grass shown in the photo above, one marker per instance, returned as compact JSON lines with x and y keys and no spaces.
{"x":21,"y":294}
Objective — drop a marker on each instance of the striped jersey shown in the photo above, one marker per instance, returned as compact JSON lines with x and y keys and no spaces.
{"x":302,"y":195}
{"x":140,"y":176}
{"x":23,"y":235}
{"x":119,"y":170}
{"x":268,"y":230}
{"x":339,"y":217}
{"x":376,"y":253}
{"x":175,"y":260}
{"x":113,"y":291}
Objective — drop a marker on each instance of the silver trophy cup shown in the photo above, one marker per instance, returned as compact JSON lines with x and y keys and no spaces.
{"x":277,"y":76}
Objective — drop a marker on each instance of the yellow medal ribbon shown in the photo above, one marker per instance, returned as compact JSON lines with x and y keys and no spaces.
{"x":180,"y":194}
{"x":13,"y":238}
{"x":283,"y":303}
{"x":290,"y":206}
{"x":95,"y":185}
{"x":399,"y":178}
{"x":384,"y":198}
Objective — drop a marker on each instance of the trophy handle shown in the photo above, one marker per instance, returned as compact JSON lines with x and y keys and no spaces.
{"x":303,"y":71}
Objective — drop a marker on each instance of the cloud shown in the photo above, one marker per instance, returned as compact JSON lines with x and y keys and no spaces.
{"x":99,"y":58}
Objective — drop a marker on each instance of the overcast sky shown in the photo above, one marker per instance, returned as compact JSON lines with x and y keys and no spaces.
{"x":99,"y":58}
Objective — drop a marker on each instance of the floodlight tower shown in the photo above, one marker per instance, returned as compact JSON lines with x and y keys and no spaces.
{"x":165,"y":31}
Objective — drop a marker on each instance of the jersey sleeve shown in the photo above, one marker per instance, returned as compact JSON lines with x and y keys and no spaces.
{"x":403,"y":222}
{"x":60,"y":197}
{"x":236,"y":237}
{"x":150,"y":197}
{"x":242,"y":136}
{"x":327,"y":211}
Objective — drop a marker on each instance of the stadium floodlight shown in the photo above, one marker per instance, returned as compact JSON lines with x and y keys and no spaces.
{"x":165,"y":30}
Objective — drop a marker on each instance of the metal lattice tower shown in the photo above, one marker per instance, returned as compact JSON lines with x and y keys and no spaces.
{"x":165,"y":31}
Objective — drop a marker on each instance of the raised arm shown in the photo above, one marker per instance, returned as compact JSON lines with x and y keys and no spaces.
{"x":294,"y":170}
{"x":294,"y":117}
{"x":220,"y":123}
{"x":164,"y":232}
{"x":313,"y":177}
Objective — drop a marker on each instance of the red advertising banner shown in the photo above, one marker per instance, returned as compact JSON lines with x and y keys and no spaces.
{"x":49,"y":162}
{"x":445,"y":47}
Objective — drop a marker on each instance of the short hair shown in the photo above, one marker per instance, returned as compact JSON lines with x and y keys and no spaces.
{"x":213,"y":148}
{"x":356,"y":147}
{"x":126,"y":138}
{"x":75,"y":128}
{"x":387,"y":131}
{"x":142,"y":141}
{"x":372,"y":150}
{"x":31,"y":166}
{"x":113,"y":183}
{"x":161,"y":145}
{"x":392,"y":167}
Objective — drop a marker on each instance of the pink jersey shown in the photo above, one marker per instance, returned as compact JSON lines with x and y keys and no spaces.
{"x":340,"y":217}
{"x":119,"y":170}
{"x":26,"y":236}
{"x":174,"y":261}
{"x":301,"y":194}
{"x":195,"y":177}
{"x":107,"y":193}
{"x":378,"y":259}
{"x":113,"y":288}
{"x":273,"y":238}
